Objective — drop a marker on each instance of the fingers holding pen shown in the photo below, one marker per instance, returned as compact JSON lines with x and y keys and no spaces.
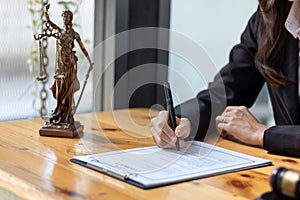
{"x":163,"y":134}
{"x":161,"y":131}
{"x":183,"y":129}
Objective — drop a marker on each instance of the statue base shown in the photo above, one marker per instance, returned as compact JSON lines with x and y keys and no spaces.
{"x":65,"y":130}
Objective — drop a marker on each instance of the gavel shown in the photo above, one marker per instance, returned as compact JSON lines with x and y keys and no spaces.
{"x":286,"y":182}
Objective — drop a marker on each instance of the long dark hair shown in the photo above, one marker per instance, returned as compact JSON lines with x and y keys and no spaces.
{"x":272,"y":34}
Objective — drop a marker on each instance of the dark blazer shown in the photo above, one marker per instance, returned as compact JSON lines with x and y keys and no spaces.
{"x":242,"y":83}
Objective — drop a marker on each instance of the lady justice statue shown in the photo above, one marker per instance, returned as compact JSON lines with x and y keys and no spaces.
{"x":61,"y":122}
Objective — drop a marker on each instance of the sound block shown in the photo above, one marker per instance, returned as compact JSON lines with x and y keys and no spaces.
{"x":67,"y":131}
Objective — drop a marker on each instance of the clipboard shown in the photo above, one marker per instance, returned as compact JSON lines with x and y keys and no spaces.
{"x":151,"y":167}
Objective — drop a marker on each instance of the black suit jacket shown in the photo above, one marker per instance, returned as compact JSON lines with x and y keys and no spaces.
{"x":242,"y":82}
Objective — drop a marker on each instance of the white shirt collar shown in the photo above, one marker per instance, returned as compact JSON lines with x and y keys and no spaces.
{"x":292,"y":23}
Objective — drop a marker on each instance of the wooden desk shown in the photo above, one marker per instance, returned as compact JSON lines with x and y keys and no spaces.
{"x":34,"y":167}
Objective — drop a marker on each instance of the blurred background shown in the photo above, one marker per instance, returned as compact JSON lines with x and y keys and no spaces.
{"x":213,"y":26}
{"x":20,"y":92}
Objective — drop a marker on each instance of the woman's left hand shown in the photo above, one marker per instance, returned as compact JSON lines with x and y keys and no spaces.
{"x":241,"y":124}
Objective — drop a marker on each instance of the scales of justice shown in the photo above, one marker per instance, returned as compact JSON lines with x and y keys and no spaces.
{"x":61,"y":122}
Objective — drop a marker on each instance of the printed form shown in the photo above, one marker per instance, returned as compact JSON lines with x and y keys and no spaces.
{"x":152,"y":166}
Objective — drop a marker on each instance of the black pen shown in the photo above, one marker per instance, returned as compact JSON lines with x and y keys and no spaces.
{"x":170,"y":108}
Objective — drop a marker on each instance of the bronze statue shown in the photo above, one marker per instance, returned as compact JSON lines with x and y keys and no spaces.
{"x":61,"y":122}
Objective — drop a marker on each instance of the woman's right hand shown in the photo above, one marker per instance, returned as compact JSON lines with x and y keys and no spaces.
{"x":163,"y":134}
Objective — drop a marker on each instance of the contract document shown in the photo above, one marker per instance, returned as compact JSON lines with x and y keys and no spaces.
{"x":150,"y":167}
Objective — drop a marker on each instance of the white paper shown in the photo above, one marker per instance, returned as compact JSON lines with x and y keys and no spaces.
{"x":153,"y":166}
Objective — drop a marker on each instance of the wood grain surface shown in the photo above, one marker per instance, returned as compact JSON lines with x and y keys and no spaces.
{"x":36,"y":167}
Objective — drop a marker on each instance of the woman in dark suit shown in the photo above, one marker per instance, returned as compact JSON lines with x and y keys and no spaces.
{"x":268,"y":53}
